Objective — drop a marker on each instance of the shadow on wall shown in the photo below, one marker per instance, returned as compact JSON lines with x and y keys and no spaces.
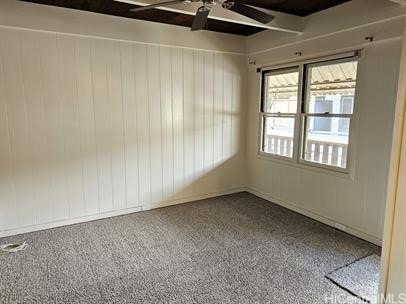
{"x":90,"y":126}
{"x":227,"y":176}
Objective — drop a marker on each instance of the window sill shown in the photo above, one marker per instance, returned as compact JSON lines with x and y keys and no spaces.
{"x":306,"y":166}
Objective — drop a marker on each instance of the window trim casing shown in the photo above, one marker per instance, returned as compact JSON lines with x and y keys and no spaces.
{"x":298,"y":144}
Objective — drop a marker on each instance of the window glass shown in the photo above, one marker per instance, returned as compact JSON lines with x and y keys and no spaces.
{"x":278,"y":135}
{"x":328,"y":148}
{"x":322,"y":105}
{"x":332,"y":83}
{"x":281,"y":92}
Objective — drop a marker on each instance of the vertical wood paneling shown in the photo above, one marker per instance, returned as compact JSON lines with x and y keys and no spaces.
{"x":237,"y":94}
{"x":19,"y":129}
{"x":130,"y":124}
{"x":227,"y":106}
{"x":116,"y":124}
{"x":188,"y":114}
{"x":90,"y":126}
{"x":31,"y":63}
{"x":71,"y":125}
{"x":177,"y":93}
{"x":87,"y":125}
{"x":8,"y":205}
{"x":144,"y":152}
{"x":5,"y":185}
{"x":4,"y":150}
{"x":54,"y":121}
{"x":218,"y":108}
{"x":198,"y":67}
{"x":154,"y":100}
{"x":208,"y":110}
{"x":166,"y":117}
{"x":103,"y":127}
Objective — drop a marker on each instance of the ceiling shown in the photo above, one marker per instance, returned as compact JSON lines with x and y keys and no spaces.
{"x":111,"y":7}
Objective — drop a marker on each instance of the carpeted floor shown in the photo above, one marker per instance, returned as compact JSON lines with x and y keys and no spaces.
{"x":360,"y":278}
{"x":231,"y":249}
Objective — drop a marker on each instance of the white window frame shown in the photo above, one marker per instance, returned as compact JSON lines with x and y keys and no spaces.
{"x":299,"y":131}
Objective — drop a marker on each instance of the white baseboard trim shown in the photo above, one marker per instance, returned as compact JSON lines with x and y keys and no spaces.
{"x":317,"y":217}
{"x":67,"y":222}
{"x":99,"y":216}
{"x":196,"y":197}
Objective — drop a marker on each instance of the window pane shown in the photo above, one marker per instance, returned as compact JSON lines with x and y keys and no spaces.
{"x":322,"y":106}
{"x":332,"y":88}
{"x":347,"y":104}
{"x":326,"y":147}
{"x":278,"y":135}
{"x":281,"y":92}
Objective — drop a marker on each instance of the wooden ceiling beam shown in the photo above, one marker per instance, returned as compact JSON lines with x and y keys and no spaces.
{"x":282,"y":22}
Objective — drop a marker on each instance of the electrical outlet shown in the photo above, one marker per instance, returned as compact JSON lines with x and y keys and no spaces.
{"x":340,"y":226}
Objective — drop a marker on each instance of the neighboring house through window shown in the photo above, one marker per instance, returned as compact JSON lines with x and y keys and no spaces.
{"x":322,"y":106}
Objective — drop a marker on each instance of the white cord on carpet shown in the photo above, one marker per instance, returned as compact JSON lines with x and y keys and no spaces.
{"x":11,"y":248}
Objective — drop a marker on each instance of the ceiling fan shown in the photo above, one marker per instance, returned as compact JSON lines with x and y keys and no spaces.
{"x":200,"y":20}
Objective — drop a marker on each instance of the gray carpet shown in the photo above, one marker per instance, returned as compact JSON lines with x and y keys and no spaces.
{"x":360,"y":278}
{"x":231,"y":249}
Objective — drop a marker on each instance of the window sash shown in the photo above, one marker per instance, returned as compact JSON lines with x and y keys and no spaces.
{"x":303,"y":140}
{"x":306,"y":114}
{"x":275,"y":72}
{"x":295,"y":117}
{"x":296,"y":133}
{"x":307,"y":80}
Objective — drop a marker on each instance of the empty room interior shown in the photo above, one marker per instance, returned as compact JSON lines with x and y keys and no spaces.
{"x":202,"y":151}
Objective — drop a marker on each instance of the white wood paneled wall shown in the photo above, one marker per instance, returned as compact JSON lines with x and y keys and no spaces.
{"x":90,"y":126}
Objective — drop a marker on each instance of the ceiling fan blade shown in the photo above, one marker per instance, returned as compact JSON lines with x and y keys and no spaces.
{"x":147,"y":7}
{"x":200,"y":20}
{"x":248,"y":11}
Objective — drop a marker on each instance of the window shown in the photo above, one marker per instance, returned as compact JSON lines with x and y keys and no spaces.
{"x":307,"y":119}
{"x":279,"y":111}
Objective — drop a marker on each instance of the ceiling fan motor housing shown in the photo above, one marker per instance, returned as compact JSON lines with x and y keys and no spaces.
{"x":228,"y":4}
{"x":209,"y":4}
